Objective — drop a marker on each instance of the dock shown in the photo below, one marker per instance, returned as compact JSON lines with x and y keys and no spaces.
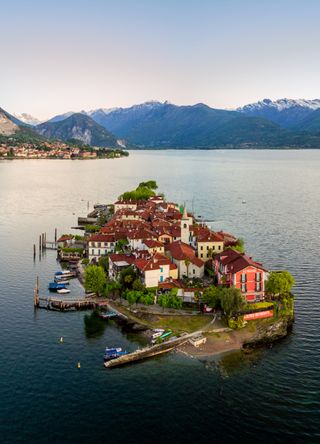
{"x":149,"y":352}
{"x":61,"y":304}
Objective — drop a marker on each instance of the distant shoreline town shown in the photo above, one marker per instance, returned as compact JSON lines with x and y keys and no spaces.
{"x":56,"y":150}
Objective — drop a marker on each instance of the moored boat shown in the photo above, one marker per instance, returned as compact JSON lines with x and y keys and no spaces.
{"x":114,"y":353}
{"x":63,"y":291}
{"x":54,"y":286}
{"x":65,"y":274}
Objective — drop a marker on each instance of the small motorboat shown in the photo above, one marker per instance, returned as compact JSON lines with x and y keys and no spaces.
{"x":157,"y":334}
{"x":114,"y":353}
{"x":54,"y":286}
{"x":65,"y":274}
{"x":63,"y":291}
{"x":61,"y":280}
{"x":108,"y":315}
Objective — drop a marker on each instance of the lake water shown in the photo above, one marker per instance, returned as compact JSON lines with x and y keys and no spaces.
{"x":273,"y":397}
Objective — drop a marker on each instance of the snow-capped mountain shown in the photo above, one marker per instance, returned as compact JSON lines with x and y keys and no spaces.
{"x":288,"y":113}
{"x":282,"y":104}
{"x":26,"y":118}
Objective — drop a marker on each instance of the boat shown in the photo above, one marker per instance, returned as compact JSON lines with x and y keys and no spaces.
{"x":54,"y":286}
{"x":108,"y":315}
{"x":114,"y":353}
{"x":65,"y":274}
{"x":166,"y":334}
{"x":63,"y":291}
{"x":61,"y":280}
{"x":157,"y":334}
{"x":244,"y":202}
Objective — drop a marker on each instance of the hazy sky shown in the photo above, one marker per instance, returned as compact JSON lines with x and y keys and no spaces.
{"x":62,"y":55}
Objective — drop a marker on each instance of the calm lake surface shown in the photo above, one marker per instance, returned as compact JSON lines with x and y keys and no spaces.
{"x":273,"y":397}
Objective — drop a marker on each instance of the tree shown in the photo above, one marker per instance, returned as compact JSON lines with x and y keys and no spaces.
{"x":132,"y":296}
{"x":152,"y":184}
{"x":187,"y":263}
{"x":104,"y":262}
{"x":94,"y":279}
{"x":279,"y":283}
{"x":138,"y":285}
{"x":211,"y":296}
{"x":164,"y":301}
{"x":120,"y":245}
{"x":127,"y":277}
{"x":231,"y":300}
{"x":112,"y":288}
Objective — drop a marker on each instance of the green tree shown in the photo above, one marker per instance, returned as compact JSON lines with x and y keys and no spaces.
{"x":147,"y":299}
{"x":112,"y":288}
{"x":133,"y":296}
{"x":127,"y":277}
{"x":104,"y":262}
{"x":94,"y":279}
{"x":138,"y":285}
{"x":231,"y":300}
{"x":187,"y":263}
{"x":120,"y":245}
{"x":152,"y":184}
{"x":211,"y":296}
{"x":279,"y":283}
{"x":164,"y":300}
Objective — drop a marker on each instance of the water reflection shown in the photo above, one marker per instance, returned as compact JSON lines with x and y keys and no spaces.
{"x":94,"y":326}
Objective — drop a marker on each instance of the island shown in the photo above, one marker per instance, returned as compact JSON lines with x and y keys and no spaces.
{"x":165,"y":272}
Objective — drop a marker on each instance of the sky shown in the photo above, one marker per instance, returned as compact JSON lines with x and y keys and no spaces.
{"x":68,"y":55}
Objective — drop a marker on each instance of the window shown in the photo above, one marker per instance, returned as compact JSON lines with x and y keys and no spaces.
{"x":219,"y":247}
{"x":243,"y":288}
{"x":194,"y":271}
{"x":99,"y":252}
{"x":258,"y":277}
{"x":207,"y":247}
{"x":258,"y":286}
{"x":99,"y":244}
{"x":243,"y":277}
{"x":161,"y":270}
{"x":92,"y":252}
{"x":201,"y":255}
{"x":201,"y":248}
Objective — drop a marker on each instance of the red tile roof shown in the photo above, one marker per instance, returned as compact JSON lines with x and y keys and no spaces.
{"x":236,"y":261}
{"x":181,"y":251}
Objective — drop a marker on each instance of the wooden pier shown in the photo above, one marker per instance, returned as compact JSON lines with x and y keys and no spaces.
{"x":60,"y":304}
{"x":149,"y":352}
{"x":50,"y":245}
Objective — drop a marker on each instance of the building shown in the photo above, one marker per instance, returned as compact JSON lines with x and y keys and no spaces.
{"x":235,"y":269}
{"x":183,"y":255}
{"x":208,"y":244}
{"x":100,"y":245}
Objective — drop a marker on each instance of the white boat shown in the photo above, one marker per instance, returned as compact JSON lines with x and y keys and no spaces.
{"x":63,"y":291}
{"x":157,"y":334}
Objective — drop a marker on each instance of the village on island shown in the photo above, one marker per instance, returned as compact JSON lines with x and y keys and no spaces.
{"x":152,"y":263}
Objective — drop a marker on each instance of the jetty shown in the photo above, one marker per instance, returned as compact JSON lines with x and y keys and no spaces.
{"x":149,"y":352}
{"x":60,"y":304}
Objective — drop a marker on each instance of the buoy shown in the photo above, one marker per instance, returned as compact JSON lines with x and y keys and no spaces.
{"x":61,"y":339}
{"x":79,"y":366}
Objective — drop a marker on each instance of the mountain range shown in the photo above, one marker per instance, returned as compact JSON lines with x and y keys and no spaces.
{"x":274,"y":124}
{"x":78,"y":127}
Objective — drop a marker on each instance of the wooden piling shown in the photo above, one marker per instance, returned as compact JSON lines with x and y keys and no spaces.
{"x":36,"y":294}
{"x":55,"y":234}
{"x":40,"y":243}
{"x":34,"y":251}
